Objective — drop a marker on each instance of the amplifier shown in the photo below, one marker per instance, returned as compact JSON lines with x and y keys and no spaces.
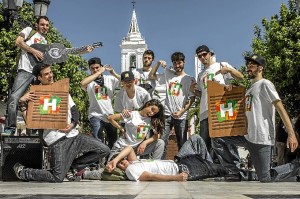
{"x":26,"y":150}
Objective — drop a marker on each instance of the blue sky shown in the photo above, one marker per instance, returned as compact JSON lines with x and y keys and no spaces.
{"x":226,"y":26}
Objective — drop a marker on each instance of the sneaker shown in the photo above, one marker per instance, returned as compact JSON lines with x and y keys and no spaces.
{"x":8,"y":132}
{"x":75,"y":176}
{"x":18,"y":168}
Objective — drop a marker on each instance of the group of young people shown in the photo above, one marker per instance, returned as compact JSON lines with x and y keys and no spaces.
{"x":144,"y":124}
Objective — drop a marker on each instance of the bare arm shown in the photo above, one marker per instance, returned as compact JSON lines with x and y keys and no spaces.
{"x":20,"y":42}
{"x":113,"y":120}
{"x":141,"y":148}
{"x":126,"y":152}
{"x":152,"y":74}
{"x":292,"y":142}
{"x":235,"y":73}
{"x":91,"y":78}
{"x":188,"y":104}
{"x":110,"y":69}
{"x":146,"y":176}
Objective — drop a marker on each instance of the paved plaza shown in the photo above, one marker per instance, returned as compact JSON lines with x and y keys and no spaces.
{"x":164,"y":190}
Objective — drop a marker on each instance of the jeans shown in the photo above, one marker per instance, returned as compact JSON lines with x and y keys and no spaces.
{"x":204,"y":133}
{"x":99,"y":125}
{"x":21,"y":84}
{"x":180,"y":127}
{"x":76,"y":152}
{"x":195,"y":145}
{"x":260,"y":155}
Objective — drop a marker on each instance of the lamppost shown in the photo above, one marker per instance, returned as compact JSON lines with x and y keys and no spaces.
{"x":10,"y":10}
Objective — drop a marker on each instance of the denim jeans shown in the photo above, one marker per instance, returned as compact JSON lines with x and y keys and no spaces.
{"x":204,"y":133}
{"x":260,"y":155}
{"x":180,"y":127}
{"x":76,"y":152}
{"x":99,"y":125}
{"x":21,"y":84}
{"x":195,"y":145}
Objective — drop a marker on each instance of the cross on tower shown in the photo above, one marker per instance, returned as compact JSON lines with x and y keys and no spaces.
{"x":133,"y":2}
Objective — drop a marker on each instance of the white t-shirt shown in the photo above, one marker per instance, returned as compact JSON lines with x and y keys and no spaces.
{"x":137,"y":127}
{"x":100,"y":98}
{"x":260,"y":112}
{"x":163,"y":167}
{"x":24,"y":62}
{"x":52,"y":135}
{"x":177,"y":91}
{"x":210,"y":74}
{"x":122,"y":100}
{"x":142,"y":76}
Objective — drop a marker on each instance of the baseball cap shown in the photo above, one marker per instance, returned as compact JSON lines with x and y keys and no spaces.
{"x":203,"y":48}
{"x":256,"y":58}
{"x":94,"y":60}
{"x":127,"y":76}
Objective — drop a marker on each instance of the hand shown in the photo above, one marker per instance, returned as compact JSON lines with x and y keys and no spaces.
{"x":108,"y":68}
{"x":141,"y":148}
{"x":89,"y":49}
{"x":126,"y":113}
{"x":101,"y":70}
{"x":67,"y":129}
{"x":162,"y":63}
{"x":193,"y":86}
{"x":122,"y":133}
{"x":30,"y":96}
{"x":39,"y":56}
{"x":228,"y":87}
{"x":292,"y":142}
{"x":182,"y":176}
{"x":223,"y":70}
{"x":111,"y":165}
{"x":177,"y":114}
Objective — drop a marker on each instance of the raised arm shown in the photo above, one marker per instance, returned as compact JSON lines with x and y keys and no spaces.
{"x":152,"y":74}
{"x":91,"y":78}
{"x":234,"y":73}
{"x":111,"y":70}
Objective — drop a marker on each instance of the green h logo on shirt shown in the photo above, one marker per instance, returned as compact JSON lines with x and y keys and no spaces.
{"x":174,"y":88}
{"x":49,"y":104}
{"x":101,"y":92}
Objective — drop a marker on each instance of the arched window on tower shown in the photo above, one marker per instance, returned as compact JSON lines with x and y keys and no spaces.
{"x":132,"y":62}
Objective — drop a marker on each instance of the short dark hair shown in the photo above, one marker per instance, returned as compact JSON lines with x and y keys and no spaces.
{"x":149,"y":52}
{"x":177,"y":56}
{"x":41,"y":17}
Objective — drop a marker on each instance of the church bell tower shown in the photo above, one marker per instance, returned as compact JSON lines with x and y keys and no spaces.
{"x":133,"y":46}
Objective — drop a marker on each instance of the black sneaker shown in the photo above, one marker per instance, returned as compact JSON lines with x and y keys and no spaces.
{"x":233,"y":177}
{"x":18,"y":168}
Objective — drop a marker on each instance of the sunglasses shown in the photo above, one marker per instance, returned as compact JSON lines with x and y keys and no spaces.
{"x":201,"y":55}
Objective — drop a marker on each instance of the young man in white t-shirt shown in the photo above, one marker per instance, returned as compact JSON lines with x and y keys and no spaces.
{"x":193,"y":162}
{"x":131,"y":97}
{"x":67,"y":147}
{"x":261,"y":101}
{"x":100,"y":89}
{"x":220,"y":72}
{"x":141,"y":74}
{"x":24,"y":75}
{"x":178,"y":97}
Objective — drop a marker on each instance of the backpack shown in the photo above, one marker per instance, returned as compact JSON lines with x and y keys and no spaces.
{"x":32,"y":32}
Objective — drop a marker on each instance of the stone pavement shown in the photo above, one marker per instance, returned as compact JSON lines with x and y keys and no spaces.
{"x":155,"y":190}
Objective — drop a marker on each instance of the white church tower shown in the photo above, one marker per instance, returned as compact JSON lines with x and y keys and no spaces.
{"x":133,"y":46}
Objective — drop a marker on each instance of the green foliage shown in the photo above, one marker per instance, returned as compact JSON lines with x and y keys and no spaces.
{"x":279,"y":42}
{"x":74,"y":68}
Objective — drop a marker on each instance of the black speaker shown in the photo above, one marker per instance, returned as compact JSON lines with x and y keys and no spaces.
{"x":26,"y":150}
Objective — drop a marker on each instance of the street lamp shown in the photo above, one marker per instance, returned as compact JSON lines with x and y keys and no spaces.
{"x":40,"y":7}
{"x":10,"y":10}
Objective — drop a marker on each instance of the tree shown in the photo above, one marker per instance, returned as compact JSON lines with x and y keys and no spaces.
{"x":279,"y":42}
{"x":74,"y":68}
